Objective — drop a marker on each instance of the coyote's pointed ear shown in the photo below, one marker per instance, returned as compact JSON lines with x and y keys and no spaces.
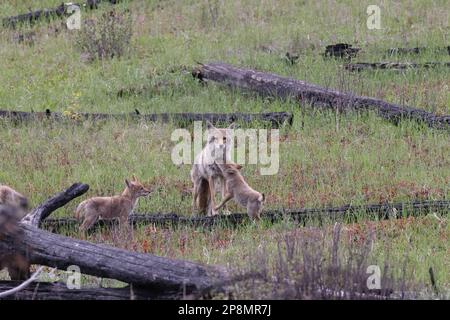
{"x":128,"y":183}
{"x":232,"y":126}
{"x":134,"y":178}
{"x":209,"y":125}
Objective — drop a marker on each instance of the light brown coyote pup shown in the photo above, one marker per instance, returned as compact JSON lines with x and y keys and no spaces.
{"x":111,"y":207}
{"x":239,"y":190}
{"x":12,"y":198}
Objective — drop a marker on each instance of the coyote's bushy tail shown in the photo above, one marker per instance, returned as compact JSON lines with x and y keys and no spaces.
{"x":79,"y":212}
{"x":203,"y":196}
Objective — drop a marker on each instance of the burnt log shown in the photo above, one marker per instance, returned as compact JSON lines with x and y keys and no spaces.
{"x":415,"y":50}
{"x":32,"y":16}
{"x":42,"y":211}
{"x":59,"y":291}
{"x":341,"y":50}
{"x":155,"y":273}
{"x":346,"y":212}
{"x":360,"y":66}
{"x":275,"y":119}
{"x":268,"y":84}
{"x":48,"y":14}
{"x":158,"y":274}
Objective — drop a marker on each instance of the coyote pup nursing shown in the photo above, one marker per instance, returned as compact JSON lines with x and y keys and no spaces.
{"x":12,"y":198}
{"x":111,"y":207}
{"x":205,"y":174}
{"x":239,"y":190}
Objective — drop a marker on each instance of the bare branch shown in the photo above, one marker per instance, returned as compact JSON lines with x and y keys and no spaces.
{"x":23,"y":285}
{"x":42,"y":211}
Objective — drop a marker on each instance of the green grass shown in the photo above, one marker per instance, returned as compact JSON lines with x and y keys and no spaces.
{"x":364,"y":160}
{"x":324,"y":159}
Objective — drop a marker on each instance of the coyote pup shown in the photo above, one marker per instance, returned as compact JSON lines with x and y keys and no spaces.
{"x":111,"y":207}
{"x":16,"y":263}
{"x":240,"y":191}
{"x":12,"y":198}
{"x":205,"y":172}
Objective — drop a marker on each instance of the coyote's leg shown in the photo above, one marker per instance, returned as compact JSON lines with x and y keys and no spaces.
{"x":224,"y":194}
{"x":125,"y":227}
{"x":123,"y":220}
{"x":195,"y":195}
{"x":227,"y":198}
{"x":212,"y":194}
{"x":89,"y":220}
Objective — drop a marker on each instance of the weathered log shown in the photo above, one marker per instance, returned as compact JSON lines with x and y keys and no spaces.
{"x":349,"y":212}
{"x":42,"y":211}
{"x":415,"y":50}
{"x":268,"y":84}
{"x":59,"y":291}
{"x":275,"y":119}
{"x":144,"y":270}
{"x":33,"y":16}
{"x":158,"y":274}
{"x":41,"y":14}
{"x":359,"y":66}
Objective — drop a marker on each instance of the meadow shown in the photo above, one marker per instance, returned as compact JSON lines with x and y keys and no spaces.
{"x":326,"y":159}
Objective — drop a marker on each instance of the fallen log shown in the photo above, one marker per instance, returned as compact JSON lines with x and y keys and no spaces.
{"x":415,"y":50}
{"x":359,"y":66}
{"x":41,"y":14}
{"x":275,"y":119}
{"x":143,"y":270}
{"x":33,"y":16}
{"x":348,"y":212}
{"x":267,"y":84}
{"x":59,"y":291}
{"x":158,"y":274}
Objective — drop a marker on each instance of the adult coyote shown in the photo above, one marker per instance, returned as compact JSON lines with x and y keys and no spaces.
{"x":205,"y":173}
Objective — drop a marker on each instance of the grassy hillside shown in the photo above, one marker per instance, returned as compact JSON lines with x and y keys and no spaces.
{"x":325,"y":159}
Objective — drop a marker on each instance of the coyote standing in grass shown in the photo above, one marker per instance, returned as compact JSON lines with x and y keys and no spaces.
{"x":111,"y":207}
{"x":205,"y":173}
{"x":12,"y":198}
{"x":239,"y":190}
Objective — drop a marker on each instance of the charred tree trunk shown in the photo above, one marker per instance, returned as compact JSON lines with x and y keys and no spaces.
{"x":144,"y":270}
{"x":416,"y":50}
{"x":349,"y":212}
{"x":267,"y":84}
{"x":158,"y":274}
{"x":360,"y":66}
{"x":275,"y":119}
{"x":59,"y":291}
{"x":59,"y":11}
